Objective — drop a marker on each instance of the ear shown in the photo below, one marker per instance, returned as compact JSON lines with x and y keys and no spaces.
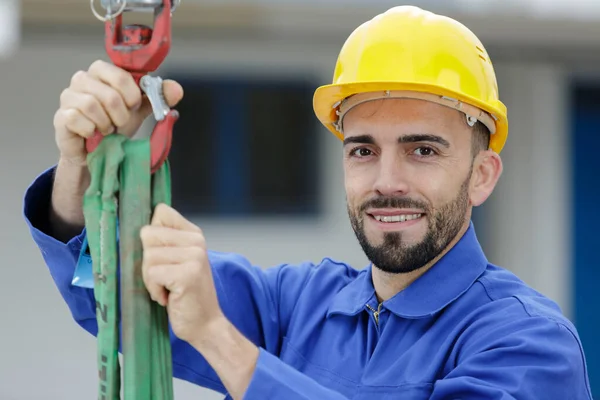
{"x":487,"y":169}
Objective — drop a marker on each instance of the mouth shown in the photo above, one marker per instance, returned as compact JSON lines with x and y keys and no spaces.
{"x":395,"y":219}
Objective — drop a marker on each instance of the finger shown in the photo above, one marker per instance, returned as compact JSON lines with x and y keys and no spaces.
{"x":161,"y":280}
{"x":162,"y":236}
{"x":74,"y":121}
{"x":171,"y":255}
{"x":110,"y":98}
{"x":88,"y":106}
{"x":156,"y":291}
{"x":167,"y":216}
{"x":118,"y":79}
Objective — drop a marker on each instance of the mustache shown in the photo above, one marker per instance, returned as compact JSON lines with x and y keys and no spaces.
{"x":393,"y":202}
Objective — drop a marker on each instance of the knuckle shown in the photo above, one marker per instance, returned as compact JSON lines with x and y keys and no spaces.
{"x":97,"y":65}
{"x":159,"y":212}
{"x":113,"y":100}
{"x":123,"y":79}
{"x":200,"y":232}
{"x":163,"y":208}
{"x":64,"y":95}
{"x":197,"y":253}
{"x":149,"y":274}
{"x":159,"y":208}
{"x":61,"y":128}
{"x":198,"y":239}
{"x":90,"y":105}
{"x":133,"y":97}
{"x":71,"y":117}
{"x":78,"y":77}
{"x":145,"y":234}
{"x":150,"y":254}
{"x":145,"y":272}
{"x":58,"y":120}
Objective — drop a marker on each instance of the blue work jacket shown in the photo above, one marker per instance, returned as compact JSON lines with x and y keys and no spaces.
{"x":466,"y":329}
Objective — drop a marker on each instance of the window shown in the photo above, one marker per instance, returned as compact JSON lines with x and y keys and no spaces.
{"x":245,"y":148}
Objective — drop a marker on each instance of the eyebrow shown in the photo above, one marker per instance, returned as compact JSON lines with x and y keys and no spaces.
{"x":414,"y":138}
{"x":424,"y":138}
{"x":363,"y":139}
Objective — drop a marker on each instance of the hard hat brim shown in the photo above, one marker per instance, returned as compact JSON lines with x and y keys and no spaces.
{"x":327,"y":98}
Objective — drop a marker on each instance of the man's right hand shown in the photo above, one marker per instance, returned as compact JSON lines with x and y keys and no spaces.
{"x":106,"y":98}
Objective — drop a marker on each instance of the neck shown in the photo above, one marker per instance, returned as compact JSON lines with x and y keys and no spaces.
{"x":387,"y":285}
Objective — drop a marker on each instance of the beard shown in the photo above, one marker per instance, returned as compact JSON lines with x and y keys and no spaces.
{"x":396,"y":256}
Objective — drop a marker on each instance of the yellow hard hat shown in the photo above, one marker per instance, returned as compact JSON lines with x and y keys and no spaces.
{"x":407,"y":52}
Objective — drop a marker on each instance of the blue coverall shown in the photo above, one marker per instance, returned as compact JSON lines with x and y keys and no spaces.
{"x":466,"y":329}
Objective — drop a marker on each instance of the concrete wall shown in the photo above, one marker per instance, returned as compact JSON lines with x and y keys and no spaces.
{"x":45,"y":355}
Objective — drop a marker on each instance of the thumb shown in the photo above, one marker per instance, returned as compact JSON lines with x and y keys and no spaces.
{"x":168,"y":217}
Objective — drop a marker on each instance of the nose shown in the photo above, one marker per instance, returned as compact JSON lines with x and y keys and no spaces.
{"x":392,"y":178}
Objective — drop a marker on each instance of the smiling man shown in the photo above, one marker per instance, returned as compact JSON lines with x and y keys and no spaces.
{"x":413,"y":168}
{"x":415,"y":102}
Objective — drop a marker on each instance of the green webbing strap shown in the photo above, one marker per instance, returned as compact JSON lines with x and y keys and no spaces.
{"x":121,"y":167}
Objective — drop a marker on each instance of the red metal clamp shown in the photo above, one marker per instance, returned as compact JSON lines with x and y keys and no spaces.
{"x":140,"y":49}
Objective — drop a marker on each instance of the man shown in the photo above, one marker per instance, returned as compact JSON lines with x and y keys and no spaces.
{"x":415,"y":101}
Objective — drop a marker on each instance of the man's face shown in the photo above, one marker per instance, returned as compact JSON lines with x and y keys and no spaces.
{"x":408,"y":167}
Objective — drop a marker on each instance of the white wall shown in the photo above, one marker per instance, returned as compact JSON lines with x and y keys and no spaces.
{"x":43,"y":354}
{"x":528,"y":215}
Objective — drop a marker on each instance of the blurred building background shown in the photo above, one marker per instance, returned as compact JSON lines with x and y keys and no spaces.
{"x":254,"y":168}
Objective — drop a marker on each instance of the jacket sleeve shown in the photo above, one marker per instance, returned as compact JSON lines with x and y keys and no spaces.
{"x":273,"y":379}
{"x":245,"y":293}
{"x":523,"y":358}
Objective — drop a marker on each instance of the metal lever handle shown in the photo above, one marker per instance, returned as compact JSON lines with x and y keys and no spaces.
{"x":153,"y":87}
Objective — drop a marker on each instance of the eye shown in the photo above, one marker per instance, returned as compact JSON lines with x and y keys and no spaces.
{"x":425,"y":151}
{"x":360,"y":152}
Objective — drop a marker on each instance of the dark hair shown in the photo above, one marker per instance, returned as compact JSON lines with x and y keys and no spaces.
{"x":480,"y":139}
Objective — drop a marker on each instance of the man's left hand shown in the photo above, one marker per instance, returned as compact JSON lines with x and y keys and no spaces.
{"x":177,"y":273}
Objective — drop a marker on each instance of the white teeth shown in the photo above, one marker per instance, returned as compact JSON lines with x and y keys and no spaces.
{"x":396,"y":218}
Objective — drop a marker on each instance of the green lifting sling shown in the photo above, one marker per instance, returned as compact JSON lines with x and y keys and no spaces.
{"x":122,"y":187}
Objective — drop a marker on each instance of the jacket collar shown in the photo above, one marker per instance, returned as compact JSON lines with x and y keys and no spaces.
{"x":443,"y":283}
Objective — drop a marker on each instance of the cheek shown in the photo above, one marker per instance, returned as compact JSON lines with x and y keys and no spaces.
{"x":352,"y":194}
{"x":357,"y":182}
{"x":438,"y":189}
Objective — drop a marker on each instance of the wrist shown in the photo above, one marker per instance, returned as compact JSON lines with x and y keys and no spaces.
{"x":71,"y":180}
{"x":207,"y":336}
{"x":72,"y":176}
{"x":79,"y":162}
{"x":230,"y":353}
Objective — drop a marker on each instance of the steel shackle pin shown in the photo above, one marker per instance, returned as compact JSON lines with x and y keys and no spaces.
{"x":136,"y":5}
{"x":114,"y":8}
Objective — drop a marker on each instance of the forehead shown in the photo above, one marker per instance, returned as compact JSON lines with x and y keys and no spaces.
{"x":390,"y":118}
